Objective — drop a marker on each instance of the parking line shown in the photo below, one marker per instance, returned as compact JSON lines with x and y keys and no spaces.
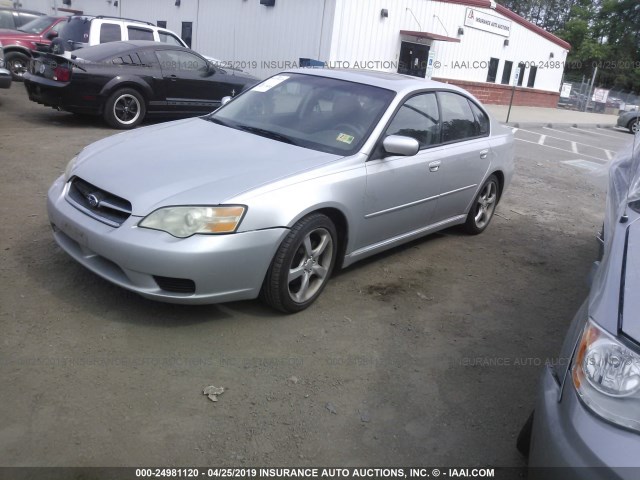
{"x":585,"y":164}
{"x":609,"y":155}
{"x":596,"y":133}
{"x":565,"y":140}
{"x":541,"y":140}
{"x":562,"y":150}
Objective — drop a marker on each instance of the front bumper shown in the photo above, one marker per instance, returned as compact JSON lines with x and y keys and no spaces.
{"x":223,"y":267}
{"x":5,"y":78}
{"x":566,"y":434}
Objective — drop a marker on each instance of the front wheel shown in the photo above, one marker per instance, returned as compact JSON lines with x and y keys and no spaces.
{"x":634,"y":125}
{"x":483,"y":207}
{"x":17,"y":63}
{"x":125,"y":109}
{"x":302,"y":265}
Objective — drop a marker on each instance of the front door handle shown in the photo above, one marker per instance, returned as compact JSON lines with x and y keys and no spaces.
{"x":434,"y":166}
{"x":483,"y":154}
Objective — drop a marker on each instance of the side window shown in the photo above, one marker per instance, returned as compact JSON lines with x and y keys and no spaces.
{"x":6,"y":20}
{"x":418,"y":118}
{"x":182,"y":61}
{"x":458,"y":122}
{"x":57,"y":27}
{"x":110,"y":32}
{"x":136,"y":33}
{"x":481,"y":118}
{"x":166,"y":37}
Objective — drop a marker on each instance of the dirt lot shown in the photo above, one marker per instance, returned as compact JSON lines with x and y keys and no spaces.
{"x":381,"y":371}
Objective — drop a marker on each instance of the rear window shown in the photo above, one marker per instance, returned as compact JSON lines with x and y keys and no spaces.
{"x":106,"y":51}
{"x":140,"y":33}
{"x":76,"y":30}
{"x":110,"y":32}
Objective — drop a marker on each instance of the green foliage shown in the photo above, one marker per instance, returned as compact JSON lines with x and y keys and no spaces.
{"x":602,"y":33}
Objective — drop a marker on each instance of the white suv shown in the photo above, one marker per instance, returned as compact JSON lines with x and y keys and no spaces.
{"x":84,"y":31}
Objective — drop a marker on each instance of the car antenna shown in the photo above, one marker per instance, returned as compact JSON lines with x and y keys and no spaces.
{"x":634,"y":167}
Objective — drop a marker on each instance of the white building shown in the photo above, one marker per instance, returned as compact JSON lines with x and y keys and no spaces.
{"x":476,"y":44}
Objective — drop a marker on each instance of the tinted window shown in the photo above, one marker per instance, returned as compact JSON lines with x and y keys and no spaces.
{"x":183,"y":61}
{"x":532,"y":77}
{"x":493,"y":70}
{"x":140,"y":33}
{"x":458,"y":121}
{"x":6,"y":19}
{"x":481,"y":118}
{"x":76,"y":29}
{"x":166,"y":37}
{"x":110,"y":32}
{"x":506,"y":73}
{"x":418,"y":118}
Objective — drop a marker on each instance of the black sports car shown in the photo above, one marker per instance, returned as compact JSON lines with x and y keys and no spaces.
{"x":126,"y":81}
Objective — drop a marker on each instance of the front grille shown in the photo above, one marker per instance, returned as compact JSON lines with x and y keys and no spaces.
{"x":176,"y":285}
{"x":97,"y":203}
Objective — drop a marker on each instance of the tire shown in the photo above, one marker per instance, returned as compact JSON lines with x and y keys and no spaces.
{"x":634,"y":125}
{"x":523,"y":443}
{"x":125,"y":109}
{"x":483,"y":207}
{"x":302,"y":265}
{"x":18,"y":64}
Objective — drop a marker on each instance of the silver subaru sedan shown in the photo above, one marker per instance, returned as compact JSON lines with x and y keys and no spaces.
{"x":308,"y":171}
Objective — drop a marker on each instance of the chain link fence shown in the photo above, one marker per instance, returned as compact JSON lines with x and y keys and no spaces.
{"x":579,"y":96}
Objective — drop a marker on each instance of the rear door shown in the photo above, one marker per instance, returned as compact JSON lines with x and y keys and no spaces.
{"x":466,"y":155}
{"x":186,"y":80}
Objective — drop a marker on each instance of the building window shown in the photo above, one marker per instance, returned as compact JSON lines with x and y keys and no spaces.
{"x":162,"y":23}
{"x":521,"y":67}
{"x":493,"y":70}
{"x":532,"y":77}
{"x":506,"y":73}
{"x":187,"y":30}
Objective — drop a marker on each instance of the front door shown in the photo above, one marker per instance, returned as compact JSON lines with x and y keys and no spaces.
{"x":413,"y":59}
{"x":187,"y":82}
{"x":402,"y":192}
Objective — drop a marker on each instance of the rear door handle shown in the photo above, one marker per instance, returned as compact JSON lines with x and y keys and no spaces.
{"x":483,"y":154}
{"x":434,"y":166}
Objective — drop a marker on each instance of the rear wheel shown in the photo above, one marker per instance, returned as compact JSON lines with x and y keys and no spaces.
{"x":17,"y":63}
{"x":481,"y":211}
{"x":125,"y":109}
{"x":302,"y":265}
{"x":633,"y":125}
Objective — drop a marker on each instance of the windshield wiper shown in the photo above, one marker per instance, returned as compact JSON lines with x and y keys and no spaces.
{"x":267,"y":133}
{"x":209,"y":118}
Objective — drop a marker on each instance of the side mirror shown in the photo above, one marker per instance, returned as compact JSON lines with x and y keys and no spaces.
{"x":51,"y":35}
{"x":399,"y":145}
{"x":225,"y":100}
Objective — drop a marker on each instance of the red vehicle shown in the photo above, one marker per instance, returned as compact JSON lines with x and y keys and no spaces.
{"x":35,"y":35}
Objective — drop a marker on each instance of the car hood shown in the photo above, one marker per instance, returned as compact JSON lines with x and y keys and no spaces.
{"x":6,"y":34}
{"x":189,"y":162}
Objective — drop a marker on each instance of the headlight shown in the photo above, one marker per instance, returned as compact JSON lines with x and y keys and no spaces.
{"x":606,"y":375}
{"x":69,"y":168}
{"x":183,"y":222}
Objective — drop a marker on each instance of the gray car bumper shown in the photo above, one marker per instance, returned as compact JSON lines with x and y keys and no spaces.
{"x":566,"y":434}
{"x":5,"y":78}
{"x":223,"y":267}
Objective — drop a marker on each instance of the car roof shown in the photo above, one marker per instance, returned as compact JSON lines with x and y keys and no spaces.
{"x":391,"y":81}
{"x":105,"y":50}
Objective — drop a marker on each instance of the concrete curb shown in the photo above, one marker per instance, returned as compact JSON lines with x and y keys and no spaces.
{"x":558,"y":125}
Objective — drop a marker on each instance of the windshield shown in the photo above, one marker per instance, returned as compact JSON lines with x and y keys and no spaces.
{"x":37,"y":25}
{"x":333,"y":116}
